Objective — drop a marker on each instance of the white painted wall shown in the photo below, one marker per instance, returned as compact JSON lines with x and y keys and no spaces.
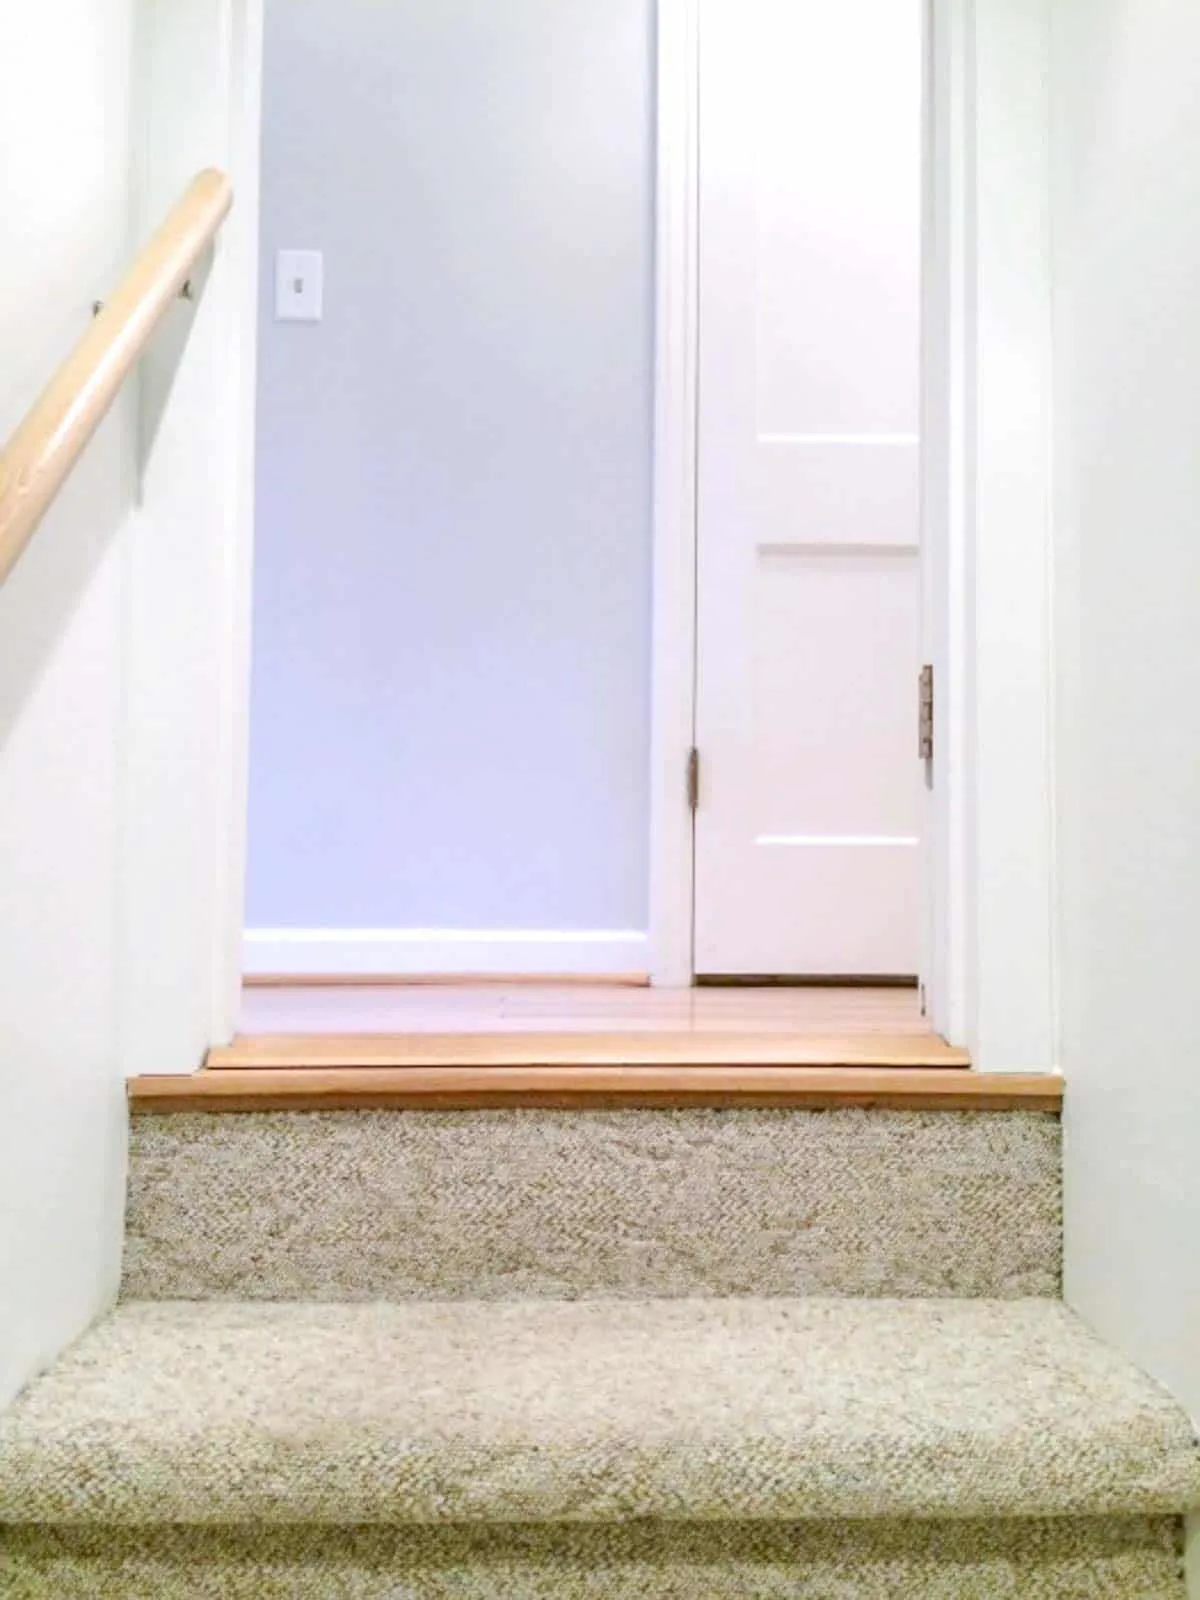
{"x":198,"y":72}
{"x":1126,"y":80}
{"x":64,"y":217}
{"x":451,"y":652}
{"x":986,"y":531}
{"x":122,"y":689}
{"x":1011,"y":940}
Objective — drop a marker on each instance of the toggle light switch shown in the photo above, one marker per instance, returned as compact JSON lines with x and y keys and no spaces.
{"x":299,"y":285}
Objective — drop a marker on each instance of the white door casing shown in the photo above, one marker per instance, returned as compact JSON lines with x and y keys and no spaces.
{"x":673,"y":684}
{"x":807,"y":858}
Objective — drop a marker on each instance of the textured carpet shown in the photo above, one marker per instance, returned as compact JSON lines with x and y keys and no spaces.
{"x":496,"y":1205}
{"x":1136,"y":1559}
{"x":592,"y":1412}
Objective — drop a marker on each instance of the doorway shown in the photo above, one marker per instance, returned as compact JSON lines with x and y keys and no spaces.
{"x":464,"y":841}
{"x":985,"y":529}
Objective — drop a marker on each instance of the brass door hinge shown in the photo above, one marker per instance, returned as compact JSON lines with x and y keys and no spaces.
{"x":925,"y":715}
{"x":693,"y":778}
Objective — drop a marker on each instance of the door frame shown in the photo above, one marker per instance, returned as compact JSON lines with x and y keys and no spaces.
{"x":988,"y":967}
{"x":676,"y":393}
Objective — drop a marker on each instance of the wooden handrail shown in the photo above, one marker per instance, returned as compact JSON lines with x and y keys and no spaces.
{"x":44,"y":448}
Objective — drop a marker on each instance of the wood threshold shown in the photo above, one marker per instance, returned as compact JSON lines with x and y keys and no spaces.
{"x":457,"y":1088}
{"x":618,"y":1049}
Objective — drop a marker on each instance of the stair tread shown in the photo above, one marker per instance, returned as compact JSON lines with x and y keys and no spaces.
{"x":590,"y":1411}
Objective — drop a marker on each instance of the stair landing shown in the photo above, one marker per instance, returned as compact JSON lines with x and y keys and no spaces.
{"x":593,"y":1025}
{"x":329,"y":1045}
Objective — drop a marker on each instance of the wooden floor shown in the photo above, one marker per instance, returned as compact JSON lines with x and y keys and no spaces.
{"x":560,"y":1025}
{"x":577,"y":1008}
{"x":466,"y":1046}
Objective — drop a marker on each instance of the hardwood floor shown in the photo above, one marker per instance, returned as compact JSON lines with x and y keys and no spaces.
{"x":487,"y":1027}
{"x":470,"y":1045}
{"x":578,"y":1008}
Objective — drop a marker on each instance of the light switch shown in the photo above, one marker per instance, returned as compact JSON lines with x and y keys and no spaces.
{"x":299,"y":285}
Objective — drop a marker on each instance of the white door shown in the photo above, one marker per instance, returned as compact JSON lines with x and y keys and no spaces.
{"x":807,"y":858}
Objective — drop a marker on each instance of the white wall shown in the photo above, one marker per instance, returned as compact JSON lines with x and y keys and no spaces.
{"x":451,"y":652}
{"x":1010,"y":943}
{"x":64,"y":212}
{"x":986,"y":531}
{"x":187,"y":616}
{"x":121,"y":694}
{"x":1126,"y":83}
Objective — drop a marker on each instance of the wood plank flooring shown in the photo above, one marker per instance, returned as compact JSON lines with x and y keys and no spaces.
{"x":449,"y":1046}
{"x":481,"y":1026}
{"x":441,"y":1045}
{"x":621,"y":1048}
{"x":579,"y":1008}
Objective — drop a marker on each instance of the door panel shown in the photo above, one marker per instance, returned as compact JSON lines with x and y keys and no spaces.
{"x":808,"y":602}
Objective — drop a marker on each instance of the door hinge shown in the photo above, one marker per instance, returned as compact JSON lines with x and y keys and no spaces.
{"x":925,"y":715}
{"x":693,"y":778}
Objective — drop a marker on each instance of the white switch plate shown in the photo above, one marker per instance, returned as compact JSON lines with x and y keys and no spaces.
{"x":299,"y":285}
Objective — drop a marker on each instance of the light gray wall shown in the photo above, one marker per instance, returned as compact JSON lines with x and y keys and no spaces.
{"x":451,"y":614}
{"x":1126,"y":93}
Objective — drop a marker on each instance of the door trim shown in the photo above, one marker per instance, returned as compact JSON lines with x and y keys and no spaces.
{"x":673,"y":646}
{"x":946,"y":506}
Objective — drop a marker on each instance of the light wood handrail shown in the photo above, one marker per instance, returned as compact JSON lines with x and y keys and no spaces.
{"x":44,"y":448}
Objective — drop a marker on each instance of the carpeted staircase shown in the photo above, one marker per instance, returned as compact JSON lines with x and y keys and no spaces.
{"x":594,"y":1355}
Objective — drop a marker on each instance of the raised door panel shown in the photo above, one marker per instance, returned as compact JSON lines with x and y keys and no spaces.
{"x":808,"y":601}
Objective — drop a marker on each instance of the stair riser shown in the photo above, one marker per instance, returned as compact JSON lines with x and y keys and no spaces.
{"x":1101,"y":1559}
{"x":559,"y":1204}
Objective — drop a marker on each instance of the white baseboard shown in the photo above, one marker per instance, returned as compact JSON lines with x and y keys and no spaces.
{"x":416,"y":952}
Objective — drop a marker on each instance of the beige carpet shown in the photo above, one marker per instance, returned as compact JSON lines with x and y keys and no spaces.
{"x":554,"y":1204}
{"x":549,"y":1408}
{"x":592,"y":1412}
{"x":1136,"y":1559}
